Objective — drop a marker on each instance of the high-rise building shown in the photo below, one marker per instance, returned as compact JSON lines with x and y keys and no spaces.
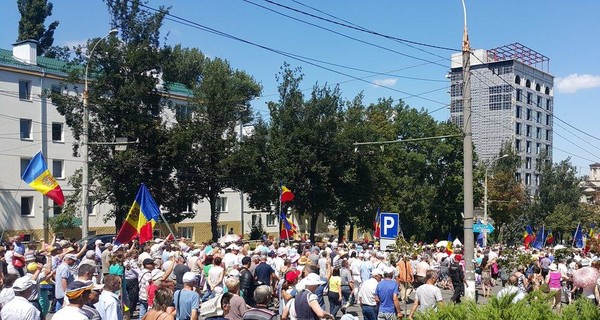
{"x":512,"y":102}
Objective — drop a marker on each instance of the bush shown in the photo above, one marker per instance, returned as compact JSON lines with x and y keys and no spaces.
{"x":536,"y":306}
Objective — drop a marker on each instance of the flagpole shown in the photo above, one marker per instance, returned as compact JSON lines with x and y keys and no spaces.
{"x":544,"y":234}
{"x":168,"y":226}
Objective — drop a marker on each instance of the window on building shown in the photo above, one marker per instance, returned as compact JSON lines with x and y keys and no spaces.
{"x":528,"y":131}
{"x":547,"y":91}
{"x":58,"y":169}
{"x":57,"y":132}
{"x":537,"y":179}
{"x":518,"y":177}
{"x":518,"y":111}
{"x":528,"y":179}
{"x":271,"y":220}
{"x":24,"y":90}
{"x":25,"y":129}
{"x":518,"y":128}
{"x":547,"y":135}
{"x":186,"y":232}
{"x":538,"y":133}
{"x":518,"y":145}
{"x":538,"y":148}
{"x":539,"y":101}
{"x":55,"y":88}
{"x":254,"y":219}
{"x":456,"y":105}
{"x":528,"y":114}
{"x":24,"y":164}
{"x":538,"y":117}
{"x":517,"y":80}
{"x":499,"y":97}
{"x":547,"y":119}
{"x":519,"y":95}
{"x":91,"y":205}
{"x":538,"y":87}
{"x":528,"y":83}
{"x":222,"y":230}
{"x":56,"y":209}
{"x":548,"y":104}
{"x":528,"y":147}
{"x":26,"y":206}
{"x":529,"y":97}
{"x":527,"y":162}
{"x":456,"y":89}
{"x":221,"y":204}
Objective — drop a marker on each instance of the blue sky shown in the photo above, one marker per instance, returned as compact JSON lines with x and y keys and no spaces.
{"x":567,"y":32}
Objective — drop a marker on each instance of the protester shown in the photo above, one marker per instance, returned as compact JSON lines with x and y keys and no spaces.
{"x":78,"y":293}
{"x":262,"y":297}
{"x":109,"y":304}
{"x":457,"y":277}
{"x":187,"y":301}
{"x":366,"y":295}
{"x":237,"y":304}
{"x":19,"y":308}
{"x":405,"y":278}
{"x":64,"y":277}
{"x":512,"y":290}
{"x":306,"y":303}
{"x":427,"y":296}
{"x":386,"y":294}
{"x":162,"y":300}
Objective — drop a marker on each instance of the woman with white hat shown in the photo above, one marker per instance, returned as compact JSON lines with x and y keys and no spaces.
{"x":553,"y":280}
{"x":306,"y":304}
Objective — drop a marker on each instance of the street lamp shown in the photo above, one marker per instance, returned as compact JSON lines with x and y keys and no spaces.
{"x":84,"y":141}
{"x":485,"y":197}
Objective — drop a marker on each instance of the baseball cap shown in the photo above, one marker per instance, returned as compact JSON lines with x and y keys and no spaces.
{"x":291,"y":276}
{"x":147,"y":261}
{"x":90,"y":254}
{"x":71,"y":256}
{"x":189,"y":277}
{"x":376,"y":272}
{"x":22,"y":284}
{"x":99,"y":242}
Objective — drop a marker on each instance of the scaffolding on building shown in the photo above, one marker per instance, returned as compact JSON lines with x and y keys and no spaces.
{"x":517,"y":51}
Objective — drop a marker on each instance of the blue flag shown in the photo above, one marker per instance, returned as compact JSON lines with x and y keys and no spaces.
{"x":540,"y":239}
{"x":578,"y":237}
{"x":480,"y":238}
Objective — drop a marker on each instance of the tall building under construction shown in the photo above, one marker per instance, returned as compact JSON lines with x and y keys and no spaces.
{"x":512,"y":99}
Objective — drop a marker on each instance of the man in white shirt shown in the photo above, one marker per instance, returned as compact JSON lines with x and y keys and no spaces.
{"x":98,"y":249}
{"x":511,"y":289}
{"x":366,"y":295}
{"x":109,"y":304}
{"x":19,"y":308}
{"x":428,"y":295}
{"x":231,"y":257}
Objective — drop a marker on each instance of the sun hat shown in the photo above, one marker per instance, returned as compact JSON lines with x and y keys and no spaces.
{"x":98,"y":242}
{"x":376,"y":272}
{"x":71,"y":256}
{"x":313,"y":279}
{"x":303,"y":260}
{"x":553,"y":267}
{"x":90,"y":254}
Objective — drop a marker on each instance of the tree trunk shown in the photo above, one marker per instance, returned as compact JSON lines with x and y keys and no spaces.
{"x":313,"y":226}
{"x":351,"y":232}
{"x":214,"y":218}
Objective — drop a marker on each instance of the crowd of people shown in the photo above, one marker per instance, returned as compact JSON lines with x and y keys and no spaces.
{"x":178,"y":279}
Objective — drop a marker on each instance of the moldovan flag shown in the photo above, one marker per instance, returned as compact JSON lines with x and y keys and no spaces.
{"x":376,"y":224}
{"x":528,"y":236}
{"x":288,"y":228}
{"x":141,"y":218}
{"x":449,"y":244}
{"x":39,"y":177}
{"x":286,"y":194}
{"x":550,"y":237}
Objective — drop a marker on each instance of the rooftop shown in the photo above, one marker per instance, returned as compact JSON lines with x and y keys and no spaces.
{"x":517,"y":51}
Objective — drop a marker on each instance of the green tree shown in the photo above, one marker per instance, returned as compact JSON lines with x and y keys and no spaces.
{"x":125,"y":102}
{"x":559,"y":184}
{"x":219,"y":103}
{"x":31,"y":25}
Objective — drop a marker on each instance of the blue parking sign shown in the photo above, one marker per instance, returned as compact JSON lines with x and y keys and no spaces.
{"x":389,"y":224}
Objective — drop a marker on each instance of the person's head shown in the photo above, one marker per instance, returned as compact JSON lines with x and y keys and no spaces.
{"x":86,"y":271}
{"x":94,"y":297}
{"x":232,"y":284}
{"x":263,"y":258}
{"x":9,"y":280}
{"x":512,"y":280}
{"x":377,"y":274}
{"x":388,"y":272}
{"x":78,"y":292}
{"x":312,"y":281}
{"x":431,"y":276}
{"x":22,"y":287}
{"x":162,"y":299}
{"x":335,"y":272}
{"x":208,"y":260}
{"x":217,"y":261}
{"x":112,"y":283}
{"x":70,"y":259}
{"x":324,"y":254}
{"x":310,"y":268}
{"x":262,"y":295}
{"x":246,"y":261}
{"x":148,"y":264}
{"x":189,"y":279}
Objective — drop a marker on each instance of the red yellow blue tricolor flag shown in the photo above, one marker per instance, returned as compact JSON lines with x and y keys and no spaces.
{"x":286,"y":195}
{"x":39,"y":177}
{"x":141,"y":218}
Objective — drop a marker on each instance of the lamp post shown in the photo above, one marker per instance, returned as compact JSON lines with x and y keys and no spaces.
{"x":485,"y":197}
{"x":84,"y":142}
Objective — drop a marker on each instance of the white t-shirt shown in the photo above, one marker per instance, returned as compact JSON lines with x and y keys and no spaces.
{"x":428,"y":296}
{"x":366,"y":294}
{"x":214,"y":274}
{"x":8,"y":257}
{"x":291,"y":306}
{"x":71,"y":313}
{"x":229,"y":260}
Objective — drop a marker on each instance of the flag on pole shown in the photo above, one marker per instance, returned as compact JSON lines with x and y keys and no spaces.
{"x":480,"y":239}
{"x":377,"y":225}
{"x":528,"y":236}
{"x":540,"y":239}
{"x":286,"y":195}
{"x":549,"y":237}
{"x":288,"y":228}
{"x":39,"y":177}
{"x":578,"y":237}
{"x":141,"y":218}
{"x":449,"y":249}
{"x":592,"y":232}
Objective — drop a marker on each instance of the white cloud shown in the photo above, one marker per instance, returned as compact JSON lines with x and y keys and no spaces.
{"x":575,"y":82}
{"x":390,"y":82}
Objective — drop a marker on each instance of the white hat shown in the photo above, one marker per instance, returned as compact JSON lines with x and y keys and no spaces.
{"x":158,"y":240}
{"x":380,"y":255}
{"x":22,"y":284}
{"x":313,"y":279}
{"x":234,"y":273}
{"x":99,"y":242}
{"x":387,"y":270}
{"x":188,"y":277}
{"x":115,"y":248}
{"x":376,"y":272}
{"x":71,"y":256}
{"x":553,"y":267}
{"x":281,"y":252}
{"x":157,"y":274}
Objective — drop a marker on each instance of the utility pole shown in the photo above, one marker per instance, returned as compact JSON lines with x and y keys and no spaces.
{"x":241,"y":193}
{"x":469,"y":244}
